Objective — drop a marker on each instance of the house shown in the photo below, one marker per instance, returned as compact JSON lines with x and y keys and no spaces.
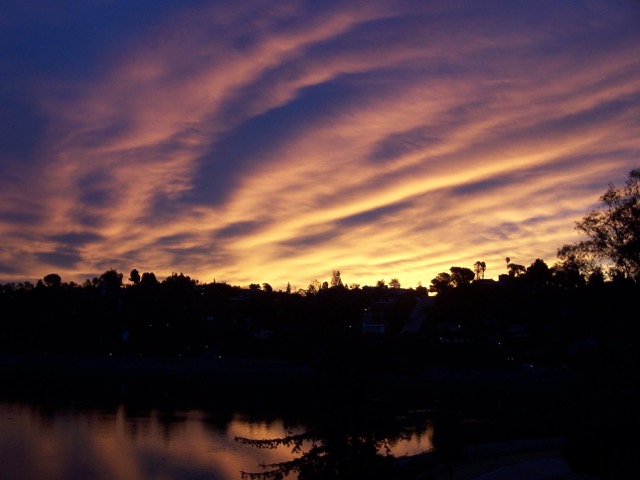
{"x":373,"y":322}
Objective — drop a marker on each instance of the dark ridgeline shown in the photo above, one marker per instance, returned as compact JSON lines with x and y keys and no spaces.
{"x":574,"y":318}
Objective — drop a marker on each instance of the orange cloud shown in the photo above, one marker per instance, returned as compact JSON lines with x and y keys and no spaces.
{"x":261,"y":143}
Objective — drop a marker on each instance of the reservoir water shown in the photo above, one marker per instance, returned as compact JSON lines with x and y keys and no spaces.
{"x":94,"y":444}
{"x":148,"y":428}
{"x":214,"y":435}
{"x":120,"y":445}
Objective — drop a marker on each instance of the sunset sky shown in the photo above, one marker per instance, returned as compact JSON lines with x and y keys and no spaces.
{"x":276,"y":141}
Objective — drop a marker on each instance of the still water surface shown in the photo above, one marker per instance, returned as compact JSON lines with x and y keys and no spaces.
{"x":117,"y":443}
{"x":159,"y":427}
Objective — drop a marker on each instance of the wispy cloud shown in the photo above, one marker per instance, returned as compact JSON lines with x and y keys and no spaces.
{"x":258,"y":142}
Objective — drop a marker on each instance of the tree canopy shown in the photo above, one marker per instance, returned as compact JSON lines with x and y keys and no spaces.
{"x":612,"y":231}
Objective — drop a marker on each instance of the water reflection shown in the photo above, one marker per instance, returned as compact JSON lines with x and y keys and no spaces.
{"x":113,"y":445}
{"x":168,"y":431}
{"x":350,"y":437}
{"x":77,"y":442}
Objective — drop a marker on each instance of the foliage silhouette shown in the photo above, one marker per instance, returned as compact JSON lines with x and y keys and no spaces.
{"x":348,"y":436}
{"x":470,"y":320}
{"x":461,"y":276}
{"x":441,"y":283}
{"x":538,"y":272}
{"x":515,"y":270}
{"x":612,"y":231}
{"x":52,"y":280}
{"x":479,"y":268}
{"x":134,"y":276}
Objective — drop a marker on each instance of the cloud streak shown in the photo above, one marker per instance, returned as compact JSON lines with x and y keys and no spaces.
{"x":254,"y":142}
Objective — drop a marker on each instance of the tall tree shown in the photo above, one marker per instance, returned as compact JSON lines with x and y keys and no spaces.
{"x":613,"y":228}
{"x":336,"y":280}
{"x":479,"y":268}
{"x":314,"y":287}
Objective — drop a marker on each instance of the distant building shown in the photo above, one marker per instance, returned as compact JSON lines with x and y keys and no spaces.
{"x":373,"y":322}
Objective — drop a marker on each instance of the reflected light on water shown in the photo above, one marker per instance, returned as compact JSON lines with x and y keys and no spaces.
{"x":115,"y":446}
{"x":415,"y":444}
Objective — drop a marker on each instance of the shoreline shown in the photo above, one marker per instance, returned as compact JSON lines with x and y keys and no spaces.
{"x":256,"y":371}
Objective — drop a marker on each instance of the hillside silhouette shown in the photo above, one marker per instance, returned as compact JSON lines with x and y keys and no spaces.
{"x":576,"y":311}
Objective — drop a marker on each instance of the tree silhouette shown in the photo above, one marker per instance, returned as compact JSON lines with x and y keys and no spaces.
{"x":441,"y":283}
{"x":461,"y":276}
{"x":181,"y":280}
{"x":516,"y":270}
{"x":613,"y":229}
{"x":111,"y":280}
{"x":479,"y":269}
{"x":149,"y":279}
{"x":336,"y":280}
{"x":572,"y":267}
{"x":134,"y":276}
{"x":346,"y":438}
{"x":538,"y":272}
{"x":314,"y":287}
{"x":52,"y":280}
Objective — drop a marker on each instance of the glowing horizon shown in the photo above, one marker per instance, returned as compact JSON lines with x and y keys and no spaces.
{"x":262,"y":143}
